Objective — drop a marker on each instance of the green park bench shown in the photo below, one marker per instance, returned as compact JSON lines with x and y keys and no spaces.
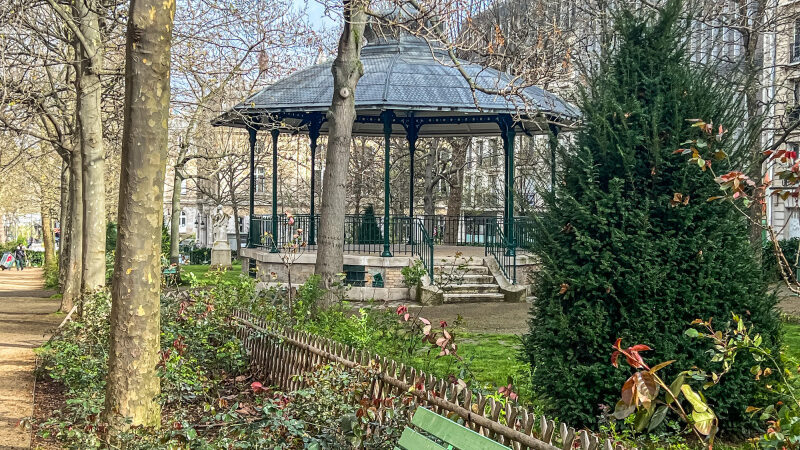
{"x":444,"y":429}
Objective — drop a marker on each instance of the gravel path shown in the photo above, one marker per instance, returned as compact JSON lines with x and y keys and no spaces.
{"x":26,"y":318}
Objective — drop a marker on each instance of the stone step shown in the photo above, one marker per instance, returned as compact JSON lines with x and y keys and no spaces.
{"x":473,"y":297}
{"x":453,"y":261}
{"x":471,"y":288}
{"x":470,"y":278}
{"x":466,"y":270}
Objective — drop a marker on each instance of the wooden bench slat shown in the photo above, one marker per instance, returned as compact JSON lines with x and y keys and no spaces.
{"x":451,"y":432}
{"x":411,"y":440}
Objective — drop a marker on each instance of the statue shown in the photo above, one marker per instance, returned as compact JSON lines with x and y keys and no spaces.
{"x":221,"y":249}
{"x":220,"y":222}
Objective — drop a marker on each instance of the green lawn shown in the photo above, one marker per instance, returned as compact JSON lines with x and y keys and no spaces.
{"x":792,"y":339}
{"x":490,"y":358}
{"x":201,"y":271}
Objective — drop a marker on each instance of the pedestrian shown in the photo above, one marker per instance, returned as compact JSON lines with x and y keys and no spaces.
{"x":19,"y":257}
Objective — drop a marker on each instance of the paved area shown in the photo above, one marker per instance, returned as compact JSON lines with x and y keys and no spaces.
{"x":26,"y":319}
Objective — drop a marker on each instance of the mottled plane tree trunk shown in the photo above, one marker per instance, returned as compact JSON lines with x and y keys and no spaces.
{"x":72,"y":280}
{"x":132,"y":388}
{"x":63,"y":241}
{"x":47,"y":237}
{"x":89,"y":87}
{"x":347,"y":70}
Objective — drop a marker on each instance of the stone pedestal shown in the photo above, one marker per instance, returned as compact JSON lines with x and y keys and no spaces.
{"x":221,"y":255}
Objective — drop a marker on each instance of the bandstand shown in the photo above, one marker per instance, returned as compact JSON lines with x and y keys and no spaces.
{"x":409,"y":88}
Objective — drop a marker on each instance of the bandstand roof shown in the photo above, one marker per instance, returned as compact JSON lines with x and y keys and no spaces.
{"x":412,"y":79}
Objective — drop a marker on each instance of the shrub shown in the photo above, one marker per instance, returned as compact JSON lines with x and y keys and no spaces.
{"x":412,"y":275}
{"x":630,"y":248}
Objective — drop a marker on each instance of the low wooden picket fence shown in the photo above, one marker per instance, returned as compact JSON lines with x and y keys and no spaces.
{"x":278,"y":354}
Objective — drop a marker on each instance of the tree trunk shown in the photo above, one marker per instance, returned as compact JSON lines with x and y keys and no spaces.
{"x":235,"y":206}
{"x":132,"y":387}
{"x":459,"y":158}
{"x":428,"y":206}
{"x":64,"y":220}
{"x":48,"y":239}
{"x":90,"y":125}
{"x":756,"y":169}
{"x":72,"y":280}
{"x":175,"y":218}
{"x":358,"y":179}
{"x":347,"y":70}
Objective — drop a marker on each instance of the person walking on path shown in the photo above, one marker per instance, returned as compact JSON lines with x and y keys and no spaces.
{"x":19,"y":257}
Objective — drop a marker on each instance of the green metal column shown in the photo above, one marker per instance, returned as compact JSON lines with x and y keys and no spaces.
{"x":554,"y":130}
{"x":275,"y":133}
{"x":313,"y":133}
{"x":251,"y":131}
{"x":504,"y":137}
{"x":387,"y":117}
{"x":412,"y":134}
{"x":507,"y":129}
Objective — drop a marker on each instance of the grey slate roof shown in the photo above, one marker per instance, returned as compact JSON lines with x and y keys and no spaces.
{"x":408,"y":75}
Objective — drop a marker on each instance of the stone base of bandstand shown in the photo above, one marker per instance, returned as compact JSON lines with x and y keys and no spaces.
{"x":271,"y":268}
{"x":221,"y":256}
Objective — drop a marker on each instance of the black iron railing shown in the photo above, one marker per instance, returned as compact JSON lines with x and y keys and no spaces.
{"x":422,"y":245}
{"x":466,"y":230}
{"x":364,"y":233}
{"x":497,"y":246}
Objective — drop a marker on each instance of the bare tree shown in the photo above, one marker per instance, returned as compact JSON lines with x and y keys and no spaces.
{"x":132,"y":382}
{"x":347,"y":70}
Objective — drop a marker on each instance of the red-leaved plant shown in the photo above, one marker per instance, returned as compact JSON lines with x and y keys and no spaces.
{"x":647,"y":396}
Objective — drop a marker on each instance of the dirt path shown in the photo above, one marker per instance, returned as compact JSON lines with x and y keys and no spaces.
{"x":26,"y":318}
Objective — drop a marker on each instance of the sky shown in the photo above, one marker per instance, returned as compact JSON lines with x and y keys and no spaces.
{"x":316,"y":14}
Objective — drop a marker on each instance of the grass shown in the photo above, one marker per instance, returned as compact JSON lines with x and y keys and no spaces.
{"x":202,"y":270}
{"x":490,"y":359}
{"x":792,"y":339}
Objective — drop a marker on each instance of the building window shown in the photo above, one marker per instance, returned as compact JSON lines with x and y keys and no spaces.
{"x":182,"y":222}
{"x":183,"y":187}
{"x":794,"y":51}
{"x":261,"y":179}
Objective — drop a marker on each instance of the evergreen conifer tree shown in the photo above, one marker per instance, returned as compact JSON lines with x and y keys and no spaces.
{"x":368,"y":230}
{"x":620,"y":258}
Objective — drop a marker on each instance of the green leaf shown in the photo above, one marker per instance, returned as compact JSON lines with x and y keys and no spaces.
{"x":675,"y":388}
{"x":642,"y":419}
{"x":660,"y":366}
{"x":694,"y":398}
{"x":657,"y":418}
{"x":691,"y":332}
{"x":703,"y":421}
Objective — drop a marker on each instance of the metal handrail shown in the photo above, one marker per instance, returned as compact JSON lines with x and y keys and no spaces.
{"x":497,"y":246}
{"x":422,"y":245}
